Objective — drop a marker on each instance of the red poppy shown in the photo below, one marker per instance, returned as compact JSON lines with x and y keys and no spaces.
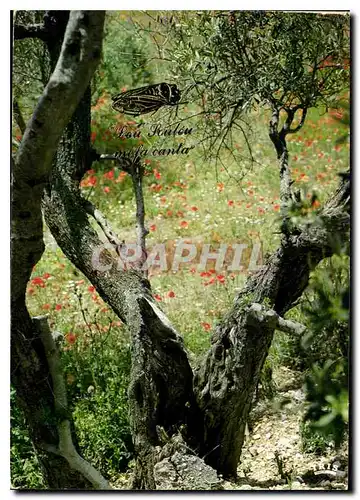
{"x":39,"y":282}
{"x":184,"y":224}
{"x":46,"y":276}
{"x":109,"y":175}
{"x":46,"y":307}
{"x":230,"y":203}
{"x":70,"y":338}
{"x":92,"y":180}
{"x":157,"y":297}
{"x":194,"y":209}
{"x":152,"y":227}
{"x":91,"y":289}
{"x":276,"y":207}
{"x":106,"y":189}
{"x":206,"y":326}
{"x":171,"y":294}
{"x":58,"y":307}
{"x":220,"y":278}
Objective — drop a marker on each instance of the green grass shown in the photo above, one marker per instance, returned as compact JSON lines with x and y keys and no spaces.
{"x":215,"y":206}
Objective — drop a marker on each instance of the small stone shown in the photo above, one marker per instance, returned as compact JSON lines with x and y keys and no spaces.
{"x":256,"y":436}
{"x":245,"y":487}
{"x":268,"y":435}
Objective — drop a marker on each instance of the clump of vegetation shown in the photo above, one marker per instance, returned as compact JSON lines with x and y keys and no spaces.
{"x":24,"y":466}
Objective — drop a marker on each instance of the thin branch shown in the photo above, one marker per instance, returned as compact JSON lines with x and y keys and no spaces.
{"x":18,"y":116}
{"x":301,"y":123}
{"x":66,"y":446}
{"x":137,"y":172}
{"x":103,"y":223}
{"x":22,"y":31}
{"x":262,"y":316}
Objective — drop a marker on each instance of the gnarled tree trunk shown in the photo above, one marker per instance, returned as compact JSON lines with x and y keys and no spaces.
{"x":209,"y":409}
{"x":30,"y":374}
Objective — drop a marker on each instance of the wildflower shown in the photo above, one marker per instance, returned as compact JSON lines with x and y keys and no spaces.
{"x":193,"y":270}
{"x":316,"y":204}
{"x":58,"y":307}
{"x":31,"y":291}
{"x":261,"y":210}
{"x":46,"y":307}
{"x":152,"y":227}
{"x":276,"y":207}
{"x":70,"y":338}
{"x":38,"y":282}
{"x":93,"y":136}
{"x":106,"y":189}
{"x":194,"y":209}
{"x":46,"y":276}
{"x":171,"y":294}
{"x":109,"y":175}
{"x":169,"y":213}
{"x":92,"y":181}
{"x":91,"y":289}
{"x":184,"y":224}
{"x":157,"y":297}
{"x":230,"y":203}
{"x":220,"y":278}
{"x":220,"y":186}
{"x":206,"y":326}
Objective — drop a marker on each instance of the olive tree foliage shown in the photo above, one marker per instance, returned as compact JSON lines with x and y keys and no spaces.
{"x":30,"y":70}
{"x":229,"y":63}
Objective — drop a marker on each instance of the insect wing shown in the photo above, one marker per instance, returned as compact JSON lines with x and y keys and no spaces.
{"x":146,"y":99}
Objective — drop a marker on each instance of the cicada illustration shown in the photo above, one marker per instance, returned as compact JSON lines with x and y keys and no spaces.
{"x":146,"y":99}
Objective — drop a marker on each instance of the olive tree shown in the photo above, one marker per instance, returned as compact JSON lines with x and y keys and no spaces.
{"x":178,"y":415}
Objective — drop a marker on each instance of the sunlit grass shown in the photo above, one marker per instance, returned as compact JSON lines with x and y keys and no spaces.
{"x":187,"y":198}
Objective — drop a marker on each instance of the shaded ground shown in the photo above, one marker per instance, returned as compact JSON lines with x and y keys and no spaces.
{"x":272,"y":457}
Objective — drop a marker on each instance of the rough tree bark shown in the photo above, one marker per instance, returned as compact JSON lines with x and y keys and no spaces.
{"x":160,"y":393}
{"x":225,"y":383}
{"x":30,"y":373}
{"x":211,"y":411}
